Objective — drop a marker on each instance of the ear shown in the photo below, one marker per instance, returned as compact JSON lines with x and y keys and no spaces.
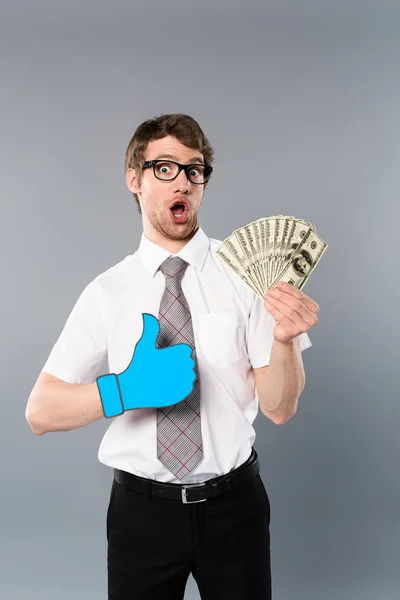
{"x":132,"y":182}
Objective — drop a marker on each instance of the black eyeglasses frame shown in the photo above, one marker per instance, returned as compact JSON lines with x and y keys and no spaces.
{"x":207,"y":170}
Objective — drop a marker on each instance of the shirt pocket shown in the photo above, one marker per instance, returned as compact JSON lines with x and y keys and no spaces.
{"x":221,"y":337}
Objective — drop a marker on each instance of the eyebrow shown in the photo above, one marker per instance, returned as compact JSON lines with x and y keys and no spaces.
{"x":192,"y":160}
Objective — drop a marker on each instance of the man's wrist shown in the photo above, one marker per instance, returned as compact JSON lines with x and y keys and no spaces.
{"x":110,"y":395}
{"x":292,"y":343}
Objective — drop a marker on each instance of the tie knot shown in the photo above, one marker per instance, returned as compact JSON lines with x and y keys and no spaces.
{"x":173,"y":266}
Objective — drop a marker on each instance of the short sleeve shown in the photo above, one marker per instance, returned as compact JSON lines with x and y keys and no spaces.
{"x":260,"y":335}
{"x":81,"y":348}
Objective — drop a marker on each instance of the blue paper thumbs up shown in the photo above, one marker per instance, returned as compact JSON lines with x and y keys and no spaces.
{"x":155,"y":377}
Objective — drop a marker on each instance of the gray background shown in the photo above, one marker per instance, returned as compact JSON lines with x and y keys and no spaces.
{"x":300,"y":100}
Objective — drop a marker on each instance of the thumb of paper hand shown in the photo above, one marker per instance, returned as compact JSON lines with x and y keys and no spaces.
{"x":155,"y":377}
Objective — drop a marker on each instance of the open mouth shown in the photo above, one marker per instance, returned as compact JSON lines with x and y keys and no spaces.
{"x":179,"y":212}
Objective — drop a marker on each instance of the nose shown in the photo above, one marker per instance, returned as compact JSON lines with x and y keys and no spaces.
{"x":182,"y":183}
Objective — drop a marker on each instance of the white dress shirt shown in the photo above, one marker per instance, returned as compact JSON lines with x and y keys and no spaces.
{"x":233,"y":334}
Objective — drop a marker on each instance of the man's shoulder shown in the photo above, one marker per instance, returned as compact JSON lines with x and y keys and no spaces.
{"x":117,"y":274}
{"x":233,"y":279}
{"x":215,"y":244}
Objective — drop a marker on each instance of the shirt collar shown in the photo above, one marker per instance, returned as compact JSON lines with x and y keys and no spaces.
{"x":194,"y":252}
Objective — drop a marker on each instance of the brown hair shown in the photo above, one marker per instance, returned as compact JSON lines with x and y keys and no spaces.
{"x":181,"y":126}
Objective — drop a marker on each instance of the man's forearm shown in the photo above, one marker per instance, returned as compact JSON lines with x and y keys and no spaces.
{"x":283,"y":382}
{"x":61,"y":406}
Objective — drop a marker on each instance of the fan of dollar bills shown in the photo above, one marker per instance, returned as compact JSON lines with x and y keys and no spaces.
{"x":272,"y":249}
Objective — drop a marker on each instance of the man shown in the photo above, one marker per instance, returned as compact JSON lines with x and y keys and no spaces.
{"x":186,"y":496}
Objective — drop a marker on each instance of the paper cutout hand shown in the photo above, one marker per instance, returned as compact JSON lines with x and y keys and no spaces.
{"x":155,"y":377}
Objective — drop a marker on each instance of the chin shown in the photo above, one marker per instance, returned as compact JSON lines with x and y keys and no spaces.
{"x":181,"y":231}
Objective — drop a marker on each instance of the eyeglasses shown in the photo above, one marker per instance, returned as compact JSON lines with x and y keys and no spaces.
{"x":168,"y":170}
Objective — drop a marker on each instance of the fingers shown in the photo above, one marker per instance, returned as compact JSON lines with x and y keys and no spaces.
{"x":286,"y":289}
{"x":286,"y":315}
{"x":293,"y":309}
{"x":276,"y":313}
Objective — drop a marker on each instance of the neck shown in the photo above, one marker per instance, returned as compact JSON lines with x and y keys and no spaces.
{"x":173,"y":245}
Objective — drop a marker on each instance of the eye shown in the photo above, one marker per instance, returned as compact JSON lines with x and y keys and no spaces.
{"x":166,"y":169}
{"x":196,"y":171}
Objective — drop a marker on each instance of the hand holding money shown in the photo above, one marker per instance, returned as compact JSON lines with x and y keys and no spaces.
{"x":294,"y":312}
{"x":275,"y":256}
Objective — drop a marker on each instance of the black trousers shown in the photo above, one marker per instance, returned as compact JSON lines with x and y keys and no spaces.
{"x":155,"y":543}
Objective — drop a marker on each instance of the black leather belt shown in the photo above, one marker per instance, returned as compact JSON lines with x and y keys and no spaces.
{"x":192,"y":492}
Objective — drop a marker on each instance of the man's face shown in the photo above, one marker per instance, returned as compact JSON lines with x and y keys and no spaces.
{"x":302,"y":265}
{"x":157,"y":196}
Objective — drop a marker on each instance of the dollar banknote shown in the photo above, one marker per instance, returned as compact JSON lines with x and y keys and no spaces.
{"x":273,"y":249}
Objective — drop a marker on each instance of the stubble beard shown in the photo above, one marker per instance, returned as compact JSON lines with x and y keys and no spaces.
{"x":174,"y":231}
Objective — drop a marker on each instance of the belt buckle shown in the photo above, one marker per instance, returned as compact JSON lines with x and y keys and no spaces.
{"x":184,"y":498}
